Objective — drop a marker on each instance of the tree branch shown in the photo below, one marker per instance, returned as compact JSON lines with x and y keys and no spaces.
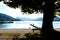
{"x":35,"y":26}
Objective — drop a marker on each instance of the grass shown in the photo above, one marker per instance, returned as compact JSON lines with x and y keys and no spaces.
{"x":20,"y":35}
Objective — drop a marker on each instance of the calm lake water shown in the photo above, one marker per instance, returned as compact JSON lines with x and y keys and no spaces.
{"x":26,"y":24}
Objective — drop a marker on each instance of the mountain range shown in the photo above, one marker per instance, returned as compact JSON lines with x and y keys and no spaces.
{"x":37,"y":19}
{"x":24,"y":18}
{"x":56,"y":19}
{"x":4,"y":17}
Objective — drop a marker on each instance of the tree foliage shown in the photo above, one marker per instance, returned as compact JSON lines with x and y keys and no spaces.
{"x":29,"y":6}
{"x":1,"y":0}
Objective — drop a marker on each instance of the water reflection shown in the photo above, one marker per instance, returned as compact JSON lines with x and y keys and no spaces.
{"x":20,"y":24}
{"x":2,"y":25}
{"x":26,"y":24}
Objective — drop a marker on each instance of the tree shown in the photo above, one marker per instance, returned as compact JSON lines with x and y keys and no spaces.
{"x":47,"y":6}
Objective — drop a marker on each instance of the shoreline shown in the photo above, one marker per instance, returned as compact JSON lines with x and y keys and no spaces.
{"x":21,"y":30}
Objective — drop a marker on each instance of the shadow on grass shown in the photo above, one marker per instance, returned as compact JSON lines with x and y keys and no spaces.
{"x":51,"y":35}
{"x":28,"y":36}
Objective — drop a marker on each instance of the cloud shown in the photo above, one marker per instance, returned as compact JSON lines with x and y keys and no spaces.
{"x":16,"y":12}
{"x":9,"y":11}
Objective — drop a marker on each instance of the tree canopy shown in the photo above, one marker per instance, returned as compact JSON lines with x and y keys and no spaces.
{"x":29,"y":6}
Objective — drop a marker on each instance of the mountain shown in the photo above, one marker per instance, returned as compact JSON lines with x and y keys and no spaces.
{"x":24,"y":18}
{"x":56,"y":19}
{"x":4,"y":17}
{"x":40,"y":19}
{"x":37,"y":19}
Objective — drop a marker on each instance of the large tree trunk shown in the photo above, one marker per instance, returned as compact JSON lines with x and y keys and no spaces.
{"x":48,"y":17}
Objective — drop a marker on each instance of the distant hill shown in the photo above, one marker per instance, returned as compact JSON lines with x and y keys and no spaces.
{"x":24,"y":18}
{"x":56,"y":19}
{"x":4,"y":17}
{"x":40,"y":19}
{"x":37,"y":19}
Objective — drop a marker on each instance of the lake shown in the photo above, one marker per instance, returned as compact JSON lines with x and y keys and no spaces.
{"x":26,"y":24}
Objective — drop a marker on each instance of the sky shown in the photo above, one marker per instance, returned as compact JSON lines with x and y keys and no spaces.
{"x":16,"y":12}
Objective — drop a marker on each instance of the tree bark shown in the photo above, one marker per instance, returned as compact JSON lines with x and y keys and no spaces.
{"x":47,"y":20}
{"x":48,"y":17}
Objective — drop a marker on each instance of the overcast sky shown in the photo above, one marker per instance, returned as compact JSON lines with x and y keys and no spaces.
{"x":16,"y":12}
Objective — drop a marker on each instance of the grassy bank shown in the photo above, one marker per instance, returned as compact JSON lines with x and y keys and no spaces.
{"x":18,"y":36}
